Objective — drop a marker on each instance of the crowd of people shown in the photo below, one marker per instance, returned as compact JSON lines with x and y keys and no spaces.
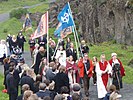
{"x":60,"y":77}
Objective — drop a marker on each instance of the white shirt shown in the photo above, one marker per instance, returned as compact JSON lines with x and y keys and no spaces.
{"x":3,"y":50}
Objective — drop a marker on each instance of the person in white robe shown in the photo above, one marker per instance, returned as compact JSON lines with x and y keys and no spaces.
{"x":101,"y":88}
{"x":61,"y":56}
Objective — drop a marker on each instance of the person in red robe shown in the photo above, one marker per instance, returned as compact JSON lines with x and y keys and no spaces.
{"x":103,"y":71}
{"x":117,"y":70}
{"x":72,"y":71}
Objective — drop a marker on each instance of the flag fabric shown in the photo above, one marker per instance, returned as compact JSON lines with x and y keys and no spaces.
{"x":42,"y":28}
{"x":66,"y":32}
{"x":65,"y":17}
{"x":27,"y":23}
{"x":62,"y":33}
{"x":58,"y":30}
{"x":65,"y":20}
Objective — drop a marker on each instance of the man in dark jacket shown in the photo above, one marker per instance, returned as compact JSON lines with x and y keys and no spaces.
{"x":71,"y":52}
{"x":42,"y":41}
{"x":8,"y":40}
{"x":41,"y":54}
{"x":21,"y":39}
{"x":24,"y":88}
{"x":27,"y":79}
{"x":61,"y":79}
{"x":50,"y":73}
{"x":11,"y":87}
{"x":42,"y":91}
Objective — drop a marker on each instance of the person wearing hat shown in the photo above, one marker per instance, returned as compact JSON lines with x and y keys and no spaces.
{"x":118,"y":71}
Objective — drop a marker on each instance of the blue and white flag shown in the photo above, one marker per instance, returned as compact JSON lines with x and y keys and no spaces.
{"x":65,"y":19}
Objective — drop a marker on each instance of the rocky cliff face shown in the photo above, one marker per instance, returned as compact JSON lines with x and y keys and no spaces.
{"x":102,"y":20}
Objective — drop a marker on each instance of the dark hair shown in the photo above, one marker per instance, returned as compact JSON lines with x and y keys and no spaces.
{"x":65,"y":90}
{"x":11,"y":69}
{"x":75,"y":96}
{"x":47,"y":82}
{"x":38,"y":78}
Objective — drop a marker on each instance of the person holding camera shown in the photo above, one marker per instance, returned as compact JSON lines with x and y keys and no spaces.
{"x":118,"y":71}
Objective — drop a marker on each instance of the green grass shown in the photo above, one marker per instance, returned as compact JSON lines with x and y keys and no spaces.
{"x":124,"y":55}
{"x":12,"y":26}
{"x":11,"y":4}
{"x":3,"y":96}
{"x":42,"y":8}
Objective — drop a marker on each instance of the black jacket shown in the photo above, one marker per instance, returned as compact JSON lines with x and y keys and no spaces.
{"x":73,"y":53}
{"x":32,"y":42}
{"x":27,"y":80}
{"x":42,"y":41}
{"x":61,"y":79}
{"x":20,"y":97}
{"x":10,"y":81}
{"x":39,"y":57}
{"x":42,"y":93}
{"x":21,"y":39}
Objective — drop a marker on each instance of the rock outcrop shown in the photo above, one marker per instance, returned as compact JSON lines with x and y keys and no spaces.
{"x":100,"y":20}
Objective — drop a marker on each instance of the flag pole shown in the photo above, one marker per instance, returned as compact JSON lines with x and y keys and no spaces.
{"x":75,"y":31}
{"x":47,"y":41}
{"x":55,"y":50}
{"x":75,"y":42}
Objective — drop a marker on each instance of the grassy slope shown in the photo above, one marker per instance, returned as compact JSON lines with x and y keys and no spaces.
{"x":11,"y":4}
{"x":42,"y":8}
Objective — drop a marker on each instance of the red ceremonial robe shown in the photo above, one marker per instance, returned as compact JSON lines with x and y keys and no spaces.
{"x":103,"y":67}
{"x":73,"y":67}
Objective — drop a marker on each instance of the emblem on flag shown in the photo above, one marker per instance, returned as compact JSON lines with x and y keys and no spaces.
{"x":65,"y":22}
